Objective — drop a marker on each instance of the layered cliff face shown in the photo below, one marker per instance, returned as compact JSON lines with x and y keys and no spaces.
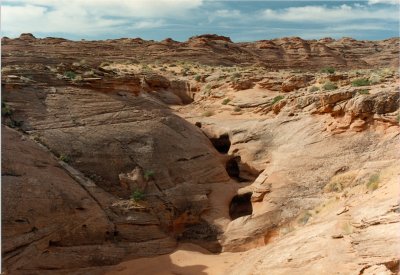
{"x":115,"y":156}
{"x":290,"y":52}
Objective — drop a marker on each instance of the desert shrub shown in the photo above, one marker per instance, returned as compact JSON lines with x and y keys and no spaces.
{"x":64,"y":158}
{"x":313,"y":89}
{"x":328,"y":70}
{"x":334,"y":186}
{"x":78,"y":78}
{"x":303,"y":219}
{"x":329,"y":86}
{"x":375,"y":79}
{"x":373,"y":182}
{"x":236,"y":75}
{"x":277,"y":99}
{"x":137,"y":195}
{"x":225,"y":101}
{"x":363,"y":92}
{"x":197,"y":78}
{"x":208,"y":113}
{"x":70,"y":74}
{"x":339,"y":182}
{"x":360,"y":82}
{"x":207,"y":89}
{"x":6,"y":110}
{"x":237,"y":109}
{"x":148,"y":174}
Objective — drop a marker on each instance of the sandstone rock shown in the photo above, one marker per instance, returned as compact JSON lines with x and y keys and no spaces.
{"x":243,"y":85}
{"x":156,"y":81}
{"x":27,"y":37}
{"x":296,"y":82}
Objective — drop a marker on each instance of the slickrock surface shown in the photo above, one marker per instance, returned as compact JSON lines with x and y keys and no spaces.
{"x":280,"y":156}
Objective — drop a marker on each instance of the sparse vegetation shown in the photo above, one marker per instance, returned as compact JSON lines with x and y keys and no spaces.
{"x":363,"y":92}
{"x":303,"y":219}
{"x":373,"y":182}
{"x":277,"y":99}
{"x":237,"y":109}
{"x":148,"y":174}
{"x":208,"y":113}
{"x":328,"y":70}
{"x":64,"y":158}
{"x":137,"y":195}
{"x":329,"y":86}
{"x":339,"y":182}
{"x":313,"y":89}
{"x":360,"y":82}
{"x":207,"y":89}
{"x":6,"y":111}
{"x":197,"y":78}
{"x":70,"y":74}
{"x":334,"y":186}
{"x":235,"y":76}
{"x":225,"y":101}
{"x":375,"y":79}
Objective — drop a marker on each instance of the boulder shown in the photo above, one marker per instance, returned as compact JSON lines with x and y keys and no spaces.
{"x":296,"y":82}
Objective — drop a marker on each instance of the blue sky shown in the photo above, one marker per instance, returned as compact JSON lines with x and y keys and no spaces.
{"x":180,"y":19}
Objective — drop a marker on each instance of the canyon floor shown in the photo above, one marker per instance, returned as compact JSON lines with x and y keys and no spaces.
{"x":207,"y":156}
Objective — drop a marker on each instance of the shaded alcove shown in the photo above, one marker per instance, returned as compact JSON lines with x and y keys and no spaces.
{"x":222,"y":144}
{"x":240,"y":206}
{"x":232,"y":168}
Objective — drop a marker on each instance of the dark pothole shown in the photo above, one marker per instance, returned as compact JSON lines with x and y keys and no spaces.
{"x":240,"y":206}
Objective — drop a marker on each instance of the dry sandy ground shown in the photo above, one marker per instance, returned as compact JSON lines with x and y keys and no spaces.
{"x":188,"y":259}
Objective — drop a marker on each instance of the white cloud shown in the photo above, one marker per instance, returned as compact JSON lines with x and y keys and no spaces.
{"x":149,"y":24}
{"x":323,"y":14}
{"x":89,"y":17}
{"x":227,"y":13}
{"x":389,"y":2}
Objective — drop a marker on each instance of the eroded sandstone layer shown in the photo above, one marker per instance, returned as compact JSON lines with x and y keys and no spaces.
{"x":282,"y":154}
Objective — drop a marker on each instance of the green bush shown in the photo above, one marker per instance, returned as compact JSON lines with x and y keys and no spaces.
{"x":197,"y":78}
{"x":208,"y":113}
{"x":64,"y":158}
{"x":360,"y":82}
{"x":334,"y":187}
{"x":329,"y":86}
{"x":137,"y":195}
{"x":373,"y":182}
{"x":303,"y":219}
{"x":6,"y":111}
{"x":225,"y":101}
{"x":375,"y":79}
{"x":149,"y":174}
{"x":70,"y":74}
{"x":277,"y":99}
{"x":363,"y":92}
{"x":237,"y":109}
{"x":328,"y":70}
{"x":313,"y":89}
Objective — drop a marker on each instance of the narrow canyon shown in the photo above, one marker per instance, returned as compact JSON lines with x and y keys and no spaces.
{"x":132,"y":156}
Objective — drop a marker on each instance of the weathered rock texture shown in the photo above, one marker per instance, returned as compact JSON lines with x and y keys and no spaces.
{"x":289,"y":52}
{"x":281,"y":164}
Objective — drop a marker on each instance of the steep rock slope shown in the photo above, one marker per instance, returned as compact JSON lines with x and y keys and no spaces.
{"x":269,"y":158}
